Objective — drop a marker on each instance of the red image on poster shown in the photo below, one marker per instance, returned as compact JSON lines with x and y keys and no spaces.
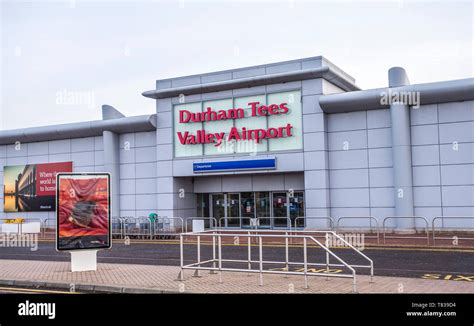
{"x":83,"y":211}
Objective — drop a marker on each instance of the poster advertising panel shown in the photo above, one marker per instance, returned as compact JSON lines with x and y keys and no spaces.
{"x":83,"y":211}
{"x":31,"y":187}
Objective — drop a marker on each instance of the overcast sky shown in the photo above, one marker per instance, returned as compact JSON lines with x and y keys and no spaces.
{"x":62,"y":60}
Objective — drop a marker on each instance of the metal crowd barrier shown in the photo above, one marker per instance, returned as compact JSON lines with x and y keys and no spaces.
{"x":306,"y":218}
{"x":255,"y":222}
{"x":48,"y":228}
{"x":408,"y":236}
{"x":360,"y":227}
{"x":217,"y":260}
{"x":167,"y":227}
{"x":137,"y":227}
{"x":170,"y":227}
{"x":442,"y":227}
{"x":117,"y":227}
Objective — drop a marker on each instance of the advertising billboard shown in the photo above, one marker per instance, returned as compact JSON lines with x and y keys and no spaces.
{"x":83,"y":211}
{"x":31,"y":187}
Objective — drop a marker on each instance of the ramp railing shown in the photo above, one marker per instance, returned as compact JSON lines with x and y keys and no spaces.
{"x":215,"y":264}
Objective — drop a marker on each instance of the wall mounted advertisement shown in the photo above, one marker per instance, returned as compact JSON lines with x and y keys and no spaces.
{"x":31,"y":187}
{"x":83,"y":211}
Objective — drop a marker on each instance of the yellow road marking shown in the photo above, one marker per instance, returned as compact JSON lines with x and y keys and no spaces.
{"x":35,"y":290}
{"x":174,"y":242}
{"x":448,"y":277}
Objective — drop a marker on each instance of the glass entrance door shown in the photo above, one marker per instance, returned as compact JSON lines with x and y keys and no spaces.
{"x":262,"y":208}
{"x":271,"y":208}
{"x":226,"y":209}
{"x":296,"y":206}
{"x":218,"y":208}
{"x":247,"y":207}
{"x":280,"y":209}
{"x":233,"y":209}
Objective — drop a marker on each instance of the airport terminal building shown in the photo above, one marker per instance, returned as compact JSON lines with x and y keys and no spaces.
{"x":295,"y":139}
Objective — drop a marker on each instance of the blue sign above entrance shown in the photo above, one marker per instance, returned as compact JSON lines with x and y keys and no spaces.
{"x":256,"y":164}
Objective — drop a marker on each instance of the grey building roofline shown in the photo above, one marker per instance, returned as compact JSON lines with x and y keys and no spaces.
{"x":79,"y":129}
{"x":429,"y":93}
{"x":325,"y":72}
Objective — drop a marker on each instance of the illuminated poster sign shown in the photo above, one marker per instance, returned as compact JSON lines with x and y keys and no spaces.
{"x":248,"y":124}
{"x":83,"y":211}
{"x":31,"y":187}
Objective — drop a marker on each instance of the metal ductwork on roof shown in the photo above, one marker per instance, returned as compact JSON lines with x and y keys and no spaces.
{"x":79,"y":129}
{"x":430,"y":93}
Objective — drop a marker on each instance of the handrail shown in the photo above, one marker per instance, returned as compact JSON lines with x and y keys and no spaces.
{"x":442,"y":220}
{"x":218,"y":260}
{"x":406,"y":237}
{"x":295,"y":232}
{"x":340,"y":260}
{"x":359,"y":252}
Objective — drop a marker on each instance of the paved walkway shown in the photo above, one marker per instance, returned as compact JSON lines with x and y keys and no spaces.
{"x":148,"y":278}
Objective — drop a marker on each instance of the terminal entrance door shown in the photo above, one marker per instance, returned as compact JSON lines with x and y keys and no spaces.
{"x":273,"y":209}
{"x":226,"y":209}
{"x":288,"y":205}
{"x":218,"y":208}
{"x":233,"y":210}
{"x":280,"y":209}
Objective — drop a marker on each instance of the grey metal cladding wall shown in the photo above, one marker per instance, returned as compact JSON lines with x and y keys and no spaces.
{"x":79,"y":129}
{"x":360,"y":165}
{"x":138,"y":173}
{"x":443,"y":159}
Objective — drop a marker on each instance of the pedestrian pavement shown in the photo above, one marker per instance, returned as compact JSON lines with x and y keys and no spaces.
{"x":134,"y":278}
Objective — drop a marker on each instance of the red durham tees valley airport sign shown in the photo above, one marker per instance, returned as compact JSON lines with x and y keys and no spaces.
{"x":257,"y":110}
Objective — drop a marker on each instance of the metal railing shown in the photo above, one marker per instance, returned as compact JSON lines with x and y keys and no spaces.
{"x":308,"y":218}
{"x":216,"y":262}
{"x":370,"y":218}
{"x":117,"y":227}
{"x":137,"y":227}
{"x":48,"y":228}
{"x":406,"y":236}
{"x":255,"y":222}
{"x":164,"y":227}
{"x":442,"y":218}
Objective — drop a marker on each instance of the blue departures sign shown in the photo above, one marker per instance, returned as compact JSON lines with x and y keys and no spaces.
{"x":257,"y":164}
